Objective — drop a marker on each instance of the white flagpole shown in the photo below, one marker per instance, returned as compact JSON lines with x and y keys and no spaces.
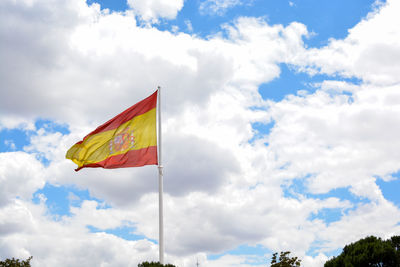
{"x":160,"y":186}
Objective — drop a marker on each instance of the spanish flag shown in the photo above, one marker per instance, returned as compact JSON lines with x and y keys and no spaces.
{"x":127,"y":140}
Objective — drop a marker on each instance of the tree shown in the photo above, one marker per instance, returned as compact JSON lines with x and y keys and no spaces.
{"x":369,"y":251}
{"x":16,"y":263}
{"x":284,"y":260}
{"x":153,"y":264}
{"x":395,"y":240}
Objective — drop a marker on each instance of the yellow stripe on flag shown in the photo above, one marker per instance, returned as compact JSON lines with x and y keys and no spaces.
{"x":138,"y":133}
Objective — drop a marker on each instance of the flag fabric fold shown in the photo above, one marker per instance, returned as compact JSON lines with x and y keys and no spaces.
{"x":127,"y":140}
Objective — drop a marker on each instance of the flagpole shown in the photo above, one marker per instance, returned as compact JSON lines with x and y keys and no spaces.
{"x":160,"y":186}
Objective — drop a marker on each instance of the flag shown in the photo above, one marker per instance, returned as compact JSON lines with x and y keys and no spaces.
{"x":127,"y":140}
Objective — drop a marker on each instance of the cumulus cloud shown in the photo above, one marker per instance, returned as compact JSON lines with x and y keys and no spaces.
{"x":152,"y":10}
{"x":359,"y":55}
{"x":21,"y":174}
{"x":338,"y":233}
{"x":218,"y":7}
{"x":348,"y":138}
{"x":128,"y":58}
{"x":77,"y":245}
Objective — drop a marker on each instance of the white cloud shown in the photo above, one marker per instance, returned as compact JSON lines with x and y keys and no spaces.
{"x":218,"y":7}
{"x":21,"y":175}
{"x":348,"y":138}
{"x":189,"y":25}
{"x":16,"y":122}
{"x":374,"y":60}
{"x":152,"y":10}
{"x":338,"y":234}
{"x":35,"y":234}
{"x":233,"y":260}
{"x":319,"y":260}
{"x":191,"y":69}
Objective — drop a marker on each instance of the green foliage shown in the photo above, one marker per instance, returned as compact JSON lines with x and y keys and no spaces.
{"x":284,"y":260}
{"x":16,"y":263}
{"x":369,"y":251}
{"x":153,"y":264}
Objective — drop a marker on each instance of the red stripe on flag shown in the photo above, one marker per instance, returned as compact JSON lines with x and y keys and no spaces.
{"x":132,"y":158}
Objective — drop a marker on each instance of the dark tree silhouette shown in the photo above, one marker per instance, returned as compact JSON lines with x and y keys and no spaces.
{"x":154,"y":264}
{"x":369,"y":251}
{"x":284,"y":260}
{"x":16,"y":263}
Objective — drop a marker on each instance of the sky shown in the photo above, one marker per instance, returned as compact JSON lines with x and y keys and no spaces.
{"x":280,"y":129}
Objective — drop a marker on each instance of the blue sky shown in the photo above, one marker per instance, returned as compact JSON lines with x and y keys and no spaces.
{"x":280,"y":129}
{"x":327,"y":19}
